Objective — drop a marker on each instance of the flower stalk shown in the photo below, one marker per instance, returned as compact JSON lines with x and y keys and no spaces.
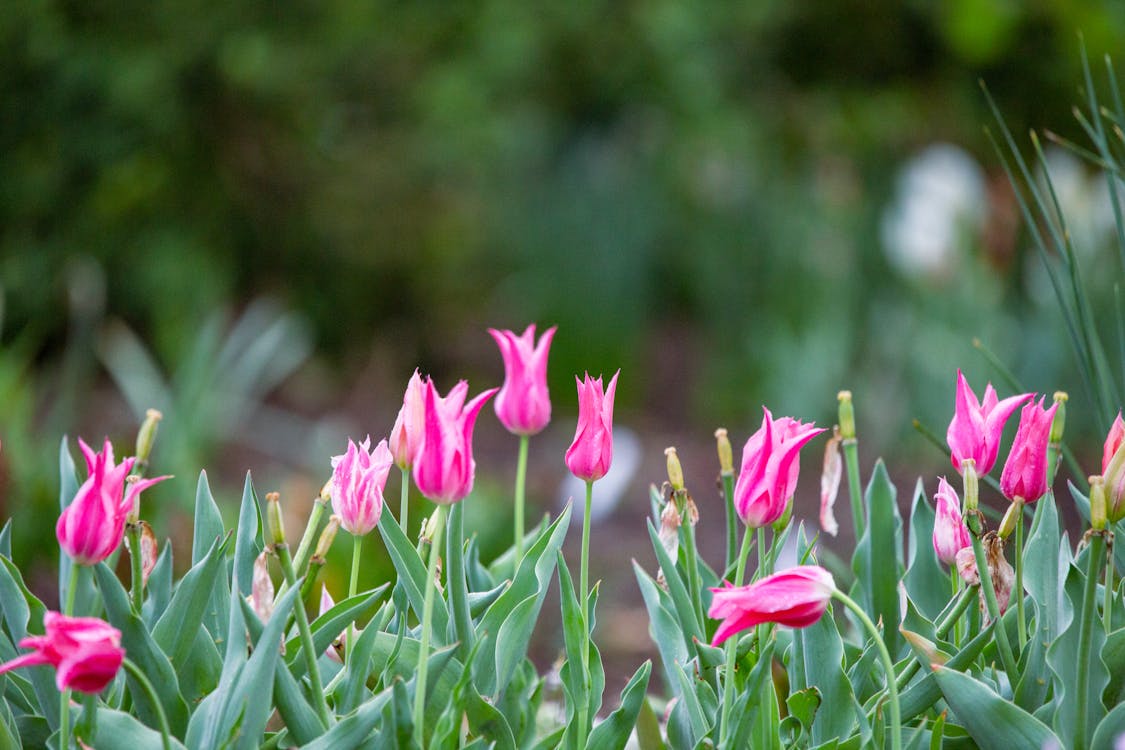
{"x":732,"y":646}
{"x":888,"y":665}
{"x":438,"y":526}
{"x":150,"y":691}
{"x":851,"y":460}
{"x":521,"y":481}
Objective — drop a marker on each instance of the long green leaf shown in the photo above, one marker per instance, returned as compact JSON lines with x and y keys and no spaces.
{"x":177,"y":627}
{"x":613,"y":733}
{"x":990,"y":720}
{"x":248,"y":542}
{"x":20,"y":607}
{"x":120,"y":730}
{"x":412,"y":575}
{"x":685,"y":611}
{"x":878,"y":556}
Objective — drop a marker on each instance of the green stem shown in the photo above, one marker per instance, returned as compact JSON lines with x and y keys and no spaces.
{"x":1107,"y":608}
{"x":953,"y":619}
{"x":732,"y":646}
{"x":353,"y":586}
{"x":695,"y":583}
{"x":312,"y":529}
{"x":732,"y":519}
{"x":1085,"y":632}
{"x":955,"y":589}
{"x":521,"y":480}
{"x":1000,"y":633}
{"x":307,"y":647}
{"x":855,"y":491}
{"x":136,"y":582}
{"x":427,"y":621}
{"x":150,"y":691}
{"x":404,"y":503}
{"x":1021,"y":627}
{"x":456,"y":585}
{"x":64,"y":699}
{"x":888,"y":665}
{"x":584,"y":578}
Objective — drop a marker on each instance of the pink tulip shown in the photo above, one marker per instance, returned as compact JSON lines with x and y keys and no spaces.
{"x":1113,"y":470}
{"x":406,"y":435}
{"x":1112,"y":442}
{"x":770,"y":465}
{"x":950,"y":534}
{"x":977,"y":426}
{"x":327,"y":603}
{"x":358,"y":478}
{"x":795,"y":598}
{"x":85,"y":652}
{"x":444,"y":467}
{"x":523,"y":404}
{"x":591,"y":453}
{"x":92,"y":526}
{"x":1025,"y":471}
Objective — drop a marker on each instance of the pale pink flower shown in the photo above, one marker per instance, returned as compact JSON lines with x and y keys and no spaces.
{"x":795,"y":598}
{"x":830,"y":477}
{"x":1025,"y":471}
{"x":950,"y":534}
{"x":977,"y":426}
{"x":523,"y":404}
{"x":85,"y":652}
{"x":770,"y":466}
{"x":444,"y":467}
{"x":406,"y":435}
{"x":92,"y":526}
{"x":327,"y":603}
{"x":591,"y":453}
{"x":358,"y":479}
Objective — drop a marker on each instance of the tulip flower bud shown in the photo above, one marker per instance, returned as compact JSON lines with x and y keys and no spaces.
{"x":262,"y":591}
{"x":1059,"y":422}
{"x":780,"y":524}
{"x":1113,"y":470}
{"x":1011,"y":518}
{"x":846,"y":415}
{"x":971,"y":485}
{"x":726,"y":453}
{"x":324,"y":543}
{"x":675,"y":471}
{"x":273,"y":518}
{"x":146,"y":436}
{"x":326,"y":490}
{"x":1097,"y":503}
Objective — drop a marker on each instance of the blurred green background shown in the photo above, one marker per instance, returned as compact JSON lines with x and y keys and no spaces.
{"x":260,"y":217}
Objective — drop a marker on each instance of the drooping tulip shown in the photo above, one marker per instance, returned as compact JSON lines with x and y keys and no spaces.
{"x":770,"y":467}
{"x":1001,"y":572}
{"x":444,"y":467}
{"x":406,"y":435}
{"x":950,"y":534}
{"x":590,"y":455}
{"x":1113,"y":470}
{"x":92,"y":526}
{"x":85,"y":652}
{"x":977,"y":426}
{"x":795,"y":598}
{"x":1025,"y":471}
{"x":523,"y":404}
{"x":358,"y":479}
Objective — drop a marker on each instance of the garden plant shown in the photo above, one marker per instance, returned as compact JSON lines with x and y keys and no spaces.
{"x":979,"y":620}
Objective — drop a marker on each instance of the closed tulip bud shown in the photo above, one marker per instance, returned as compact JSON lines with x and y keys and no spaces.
{"x":523,"y":404}
{"x":85,"y":652}
{"x":977,"y":426}
{"x":675,"y":471}
{"x":406,"y":435}
{"x":1058,"y":426}
{"x":146,"y":436}
{"x":1025,"y":471}
{"x":770,"y":466}
{"x":1113,"y":470}
{"x":846,"y":415}
{"x":1012,"y":516}
{"x":591,"y":453}
{"x":274,"y":522}
{"x":795,"y":598}
{"x":726,"y":455}
{"x":324,"y":542}
{"x":971,"y":485}
{"x":1097,"y":503}
{"x":950,"y":534}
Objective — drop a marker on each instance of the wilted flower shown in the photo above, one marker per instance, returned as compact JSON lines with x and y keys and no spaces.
{"x":406,"y":435}
{"x":85,"y":652}
{"x":444,"y":467}
{"x":92,"y":526}
{"x":795,"y":598}
{"x":950,"y":534}
{"x":591,"y":453}
{"x":830,"y":477}
{"x":977,"y":426}
{"x":1025,"y":471}
{"x":770,"y":466}
{"x":523,"y":404}
{"x":1001,"y":572}
{"x":358,"y":478}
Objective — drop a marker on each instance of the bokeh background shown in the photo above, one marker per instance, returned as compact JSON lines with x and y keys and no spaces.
{"x":261,"y":217}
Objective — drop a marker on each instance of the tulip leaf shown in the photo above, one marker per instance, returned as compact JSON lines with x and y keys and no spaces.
{"x":20,"y":607}
{"x":456,"y":586}
{"x":119,"y":729}
{"x":989,"y":719}
{"x":515,"y":634}
{"x":204,"y":724}
{"x":208,"y":530}
{"x":487,"y":722}
{"x":613,"y":733}
{"x":878,"y":556}
{"x":663,"y":627}
{"x":822,"y":650}
{"x":146,"y":654}
{"x":1043,"y":574}
{"x":350,"y":692}
{"x":328,"y":627}
{"x":354,"y":728}
{"x":681,"y":599}
{"x":412,"y":575}
{"x":1109,"y":729}
{"x":923,"y":693}
{"x":480,"y":601}
{"x":700,"y":726}
{"x":926,"y":582}
{"x":1113,"y":654}
{"x":573,"y":639}
{"x":6,"y":540}
{"x":159,"y":587}
{"x":177,"y":628}
{"x":533,"y":578}
{"x":248,"y":542}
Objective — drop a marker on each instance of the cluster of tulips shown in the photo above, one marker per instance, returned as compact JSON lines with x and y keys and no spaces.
{"x":196,"y":672}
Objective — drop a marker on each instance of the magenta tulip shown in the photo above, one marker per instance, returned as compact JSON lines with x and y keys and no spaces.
{"x":523,"y":404}
{"x":358,"y":479}
{"x":406,"y":435}
{"x":950,"y":534}
{"x":977,"y":426}
{"x":591,"y":453}
{"x":92,"y":526}
{"x":770,"y":466}
{"x":1113,"y":470}
{"x":444,"y":467}
{"x":1112,"y":442}
{"x":1025,"y":471}
{"x":795,"y":598}
{"x":85,"y":652}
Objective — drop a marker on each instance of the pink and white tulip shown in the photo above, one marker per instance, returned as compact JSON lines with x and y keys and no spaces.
{"x":977,"y":426}
{"x":795,"y":598}
{"x":523,"y":404}
{"x":92,"y":526}
{"x":590,"y":455}
{"x":770,"y":467}
{"x":950,"y":534}
{"x":85,"y":652}
{"x":1025,"y":471}
{"x":444,"y":468}
{"x":358,"y":479}
{"x":406,"y":435}
{"x":1113,"y":470}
